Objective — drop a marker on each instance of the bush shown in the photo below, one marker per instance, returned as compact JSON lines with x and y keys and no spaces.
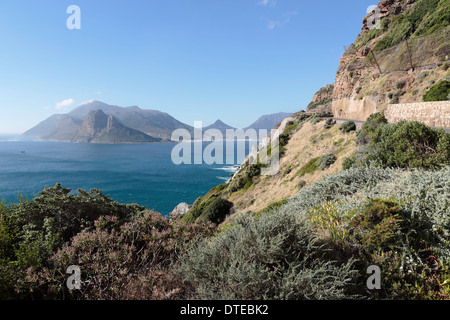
{"x":216,"y":211}
{"x":326,"y":161}
{"x":41,"y":226}
{"x":273,"y":256}
{"x":438,"y":92}
{"x":272,"y":207}
{"x":244,"y":179}
{"x":372,"y":123}
{"x":347,"y":163}
{"x":398,"y":220}
{"x":347,"y":126}
{"x":329,"y":123}
{"x":310,"y":167}
{"x":407,"y":145}
{"x":400,"y":84}
{"x":133,"y":260}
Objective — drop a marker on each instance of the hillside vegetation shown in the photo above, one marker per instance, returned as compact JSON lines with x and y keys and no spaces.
{"x":311,"y":145}
{"x":343,"y":201}
{"x":317,"y":244}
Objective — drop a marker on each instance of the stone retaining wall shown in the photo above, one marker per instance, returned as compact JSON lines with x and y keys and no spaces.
{"x":433,"y":114}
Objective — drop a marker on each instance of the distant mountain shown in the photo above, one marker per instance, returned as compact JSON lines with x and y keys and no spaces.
{"x":64,"y":129}
{"x":102,"y":128}
{"x":45,"y":127}
{"x":153,"y":123}
{"x":218,"y":125}
{"x":268,"y":122}
{"x":134,"y":123}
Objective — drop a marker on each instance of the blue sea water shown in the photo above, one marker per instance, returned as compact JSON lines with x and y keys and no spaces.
{"x":129,"y":173}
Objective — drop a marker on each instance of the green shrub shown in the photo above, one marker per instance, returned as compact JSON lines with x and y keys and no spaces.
{"x":445,"y":66}
{"x":347,"y":163}
{"x":316,"y":119}
{"x":396,"y":96}
{"x":244,"y":179}
{"x":273,"y":256}
{"x":423,"y":75}
{"x":329,"y":123}
{"x":398,"y":220}
{"x":312,"y":105}
{"x":339,"y":142}
{"x":395,"y":100}
{"x":400,"y":84}
{"x":407,"y":145}
{"x":271,"y":208}
{"x":372,"y":123}
{"x":301,"y":184}
{"x":216,"y":211}
{"x":348,"y":126}
{"x":42,"y":225}
{"x":438,"y":92}
{"x":326,"y":161}
{"x":376,"y":225}
{"x":310,"y":167}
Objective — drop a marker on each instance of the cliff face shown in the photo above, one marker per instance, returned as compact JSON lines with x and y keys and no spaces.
{"x":321,"y":101}
{"x":102,"y":128}
{"x":399,"y":55}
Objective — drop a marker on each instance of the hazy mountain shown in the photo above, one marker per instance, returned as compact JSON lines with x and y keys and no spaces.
{"x":45,"y":127}
{"x":73,"y":126}
{"x":154,"y":123}
{"x":64,"y":129}
{"x":102,"y":128}
{"x":218,"y":125}
{"x":269,"y":121}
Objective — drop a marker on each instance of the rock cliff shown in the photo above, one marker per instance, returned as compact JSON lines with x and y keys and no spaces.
{"x":402,"y":51}
{"x":102,"y":128}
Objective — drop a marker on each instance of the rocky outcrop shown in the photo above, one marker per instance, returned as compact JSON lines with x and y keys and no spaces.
{"x":385,"y":9}
{"x":180,"y":209}
{"x":376,"y":71}
{"x":102,"y":128}
{"x":321,"y":101}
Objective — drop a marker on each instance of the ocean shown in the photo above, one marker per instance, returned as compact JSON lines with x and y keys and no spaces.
{"x":129,"y":173}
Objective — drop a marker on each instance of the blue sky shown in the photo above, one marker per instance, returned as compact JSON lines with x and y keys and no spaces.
{"x":233,"y":60}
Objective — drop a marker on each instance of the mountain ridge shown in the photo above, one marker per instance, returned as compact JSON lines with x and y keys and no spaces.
{"x":153,"y":123}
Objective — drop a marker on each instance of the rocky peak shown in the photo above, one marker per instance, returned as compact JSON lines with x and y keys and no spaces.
{"x":386,"y":8}
{"x":113,"y":123}
{"x":96,"y":121}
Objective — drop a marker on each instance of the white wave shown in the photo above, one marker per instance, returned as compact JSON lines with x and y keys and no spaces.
{"x":228,"y":169}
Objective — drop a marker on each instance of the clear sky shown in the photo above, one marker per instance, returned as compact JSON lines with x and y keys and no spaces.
{"x":233,"y":60}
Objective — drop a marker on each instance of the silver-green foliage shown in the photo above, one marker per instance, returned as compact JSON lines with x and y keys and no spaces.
{"x":425,"y":196}
{"x":277,"y":255}
{"x":274,"y":256}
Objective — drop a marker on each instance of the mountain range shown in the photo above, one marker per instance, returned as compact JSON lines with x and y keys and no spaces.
{"x":98,"y":122}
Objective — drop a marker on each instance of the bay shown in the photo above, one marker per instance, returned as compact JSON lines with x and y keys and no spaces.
{"x":128,"y":173}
